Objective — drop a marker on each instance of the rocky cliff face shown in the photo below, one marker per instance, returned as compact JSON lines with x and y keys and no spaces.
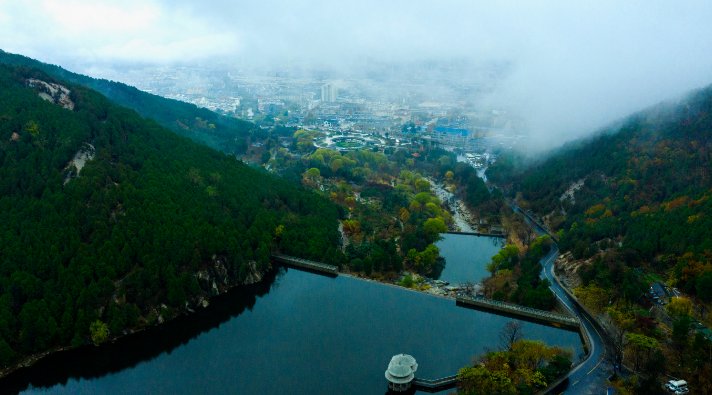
{"x":216,"y":279}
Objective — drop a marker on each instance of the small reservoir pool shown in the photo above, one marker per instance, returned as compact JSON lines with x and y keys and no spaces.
{"x":467,"y":256}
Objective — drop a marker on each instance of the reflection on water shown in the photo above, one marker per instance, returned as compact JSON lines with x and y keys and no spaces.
{"x":466,"y":256}
{"x":91,"y":362}
{"x":311,"y":334}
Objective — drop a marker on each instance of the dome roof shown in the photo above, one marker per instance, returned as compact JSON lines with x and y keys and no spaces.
{"x":404,"y":360}
{"x":399,"y":371}
{"x":399,"y":374}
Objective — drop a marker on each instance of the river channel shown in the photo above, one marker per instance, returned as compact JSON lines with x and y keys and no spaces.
{"x":296,"y":333}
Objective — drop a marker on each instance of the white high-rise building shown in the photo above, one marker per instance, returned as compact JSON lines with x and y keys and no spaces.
{"x":328,"y":93}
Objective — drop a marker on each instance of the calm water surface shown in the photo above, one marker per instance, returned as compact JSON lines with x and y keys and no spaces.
{"x":466,"y":256}
{"x":307,"y":334}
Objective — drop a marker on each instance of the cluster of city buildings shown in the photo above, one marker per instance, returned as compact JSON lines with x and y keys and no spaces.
{"x":442,"y":114}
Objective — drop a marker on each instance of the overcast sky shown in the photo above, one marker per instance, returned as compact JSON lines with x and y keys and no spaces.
{"x":575,"y":65}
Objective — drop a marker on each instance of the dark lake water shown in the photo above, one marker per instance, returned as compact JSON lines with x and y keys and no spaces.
{"x":299,"y":333}
{"x":466,"y":256}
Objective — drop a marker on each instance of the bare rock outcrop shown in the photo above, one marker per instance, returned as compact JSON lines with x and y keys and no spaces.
{"x":54,"y":93}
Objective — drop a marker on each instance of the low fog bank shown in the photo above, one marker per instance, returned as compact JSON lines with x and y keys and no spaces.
{"x":590,"y":67}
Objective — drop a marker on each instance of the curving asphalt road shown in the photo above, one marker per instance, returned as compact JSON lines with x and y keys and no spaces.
{"x":590,"y":376}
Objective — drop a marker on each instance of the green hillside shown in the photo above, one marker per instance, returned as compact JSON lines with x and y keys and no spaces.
{"x":223,"y":133}
{"x":646,"y":184}
{"x":633,"y":209}
{"x":151,"y":224}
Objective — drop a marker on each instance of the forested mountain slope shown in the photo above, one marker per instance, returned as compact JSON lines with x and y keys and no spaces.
{"x":217,"y":131}
{"x":109,"y":221}
{"x":644,"y":184}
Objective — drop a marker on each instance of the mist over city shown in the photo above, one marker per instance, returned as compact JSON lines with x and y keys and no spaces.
{"x":558,"y":70}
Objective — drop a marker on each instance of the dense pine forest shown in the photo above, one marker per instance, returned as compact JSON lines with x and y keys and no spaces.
{"x":110,"y":222}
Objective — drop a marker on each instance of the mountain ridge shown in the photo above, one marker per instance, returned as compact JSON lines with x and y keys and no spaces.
{"x":220,"y":132}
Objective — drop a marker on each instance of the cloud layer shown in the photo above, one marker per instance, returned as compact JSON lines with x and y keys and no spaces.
{"x":84,"y":32}
{"x":574,"y":66}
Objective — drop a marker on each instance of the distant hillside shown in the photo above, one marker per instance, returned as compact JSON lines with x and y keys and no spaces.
{"x":110,"y":222}
{"x":645,"y":183}
{"x":217,"y":131}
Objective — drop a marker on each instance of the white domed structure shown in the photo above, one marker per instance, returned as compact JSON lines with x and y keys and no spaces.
{"x":401,"y":372}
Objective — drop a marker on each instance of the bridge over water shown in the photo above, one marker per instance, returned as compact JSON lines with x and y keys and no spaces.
{"x":542,"y":316}
{"x":318,"y":267}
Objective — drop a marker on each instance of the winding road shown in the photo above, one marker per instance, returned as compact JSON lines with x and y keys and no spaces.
{"x":589,"y":377}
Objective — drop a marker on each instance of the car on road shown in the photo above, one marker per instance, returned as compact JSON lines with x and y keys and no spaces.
{"x":677,"y":387}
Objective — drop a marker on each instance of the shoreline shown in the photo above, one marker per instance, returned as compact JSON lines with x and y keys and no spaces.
{"x":184,"y":313}
{"x":372,"y":280}
{"x":433,"y":284}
